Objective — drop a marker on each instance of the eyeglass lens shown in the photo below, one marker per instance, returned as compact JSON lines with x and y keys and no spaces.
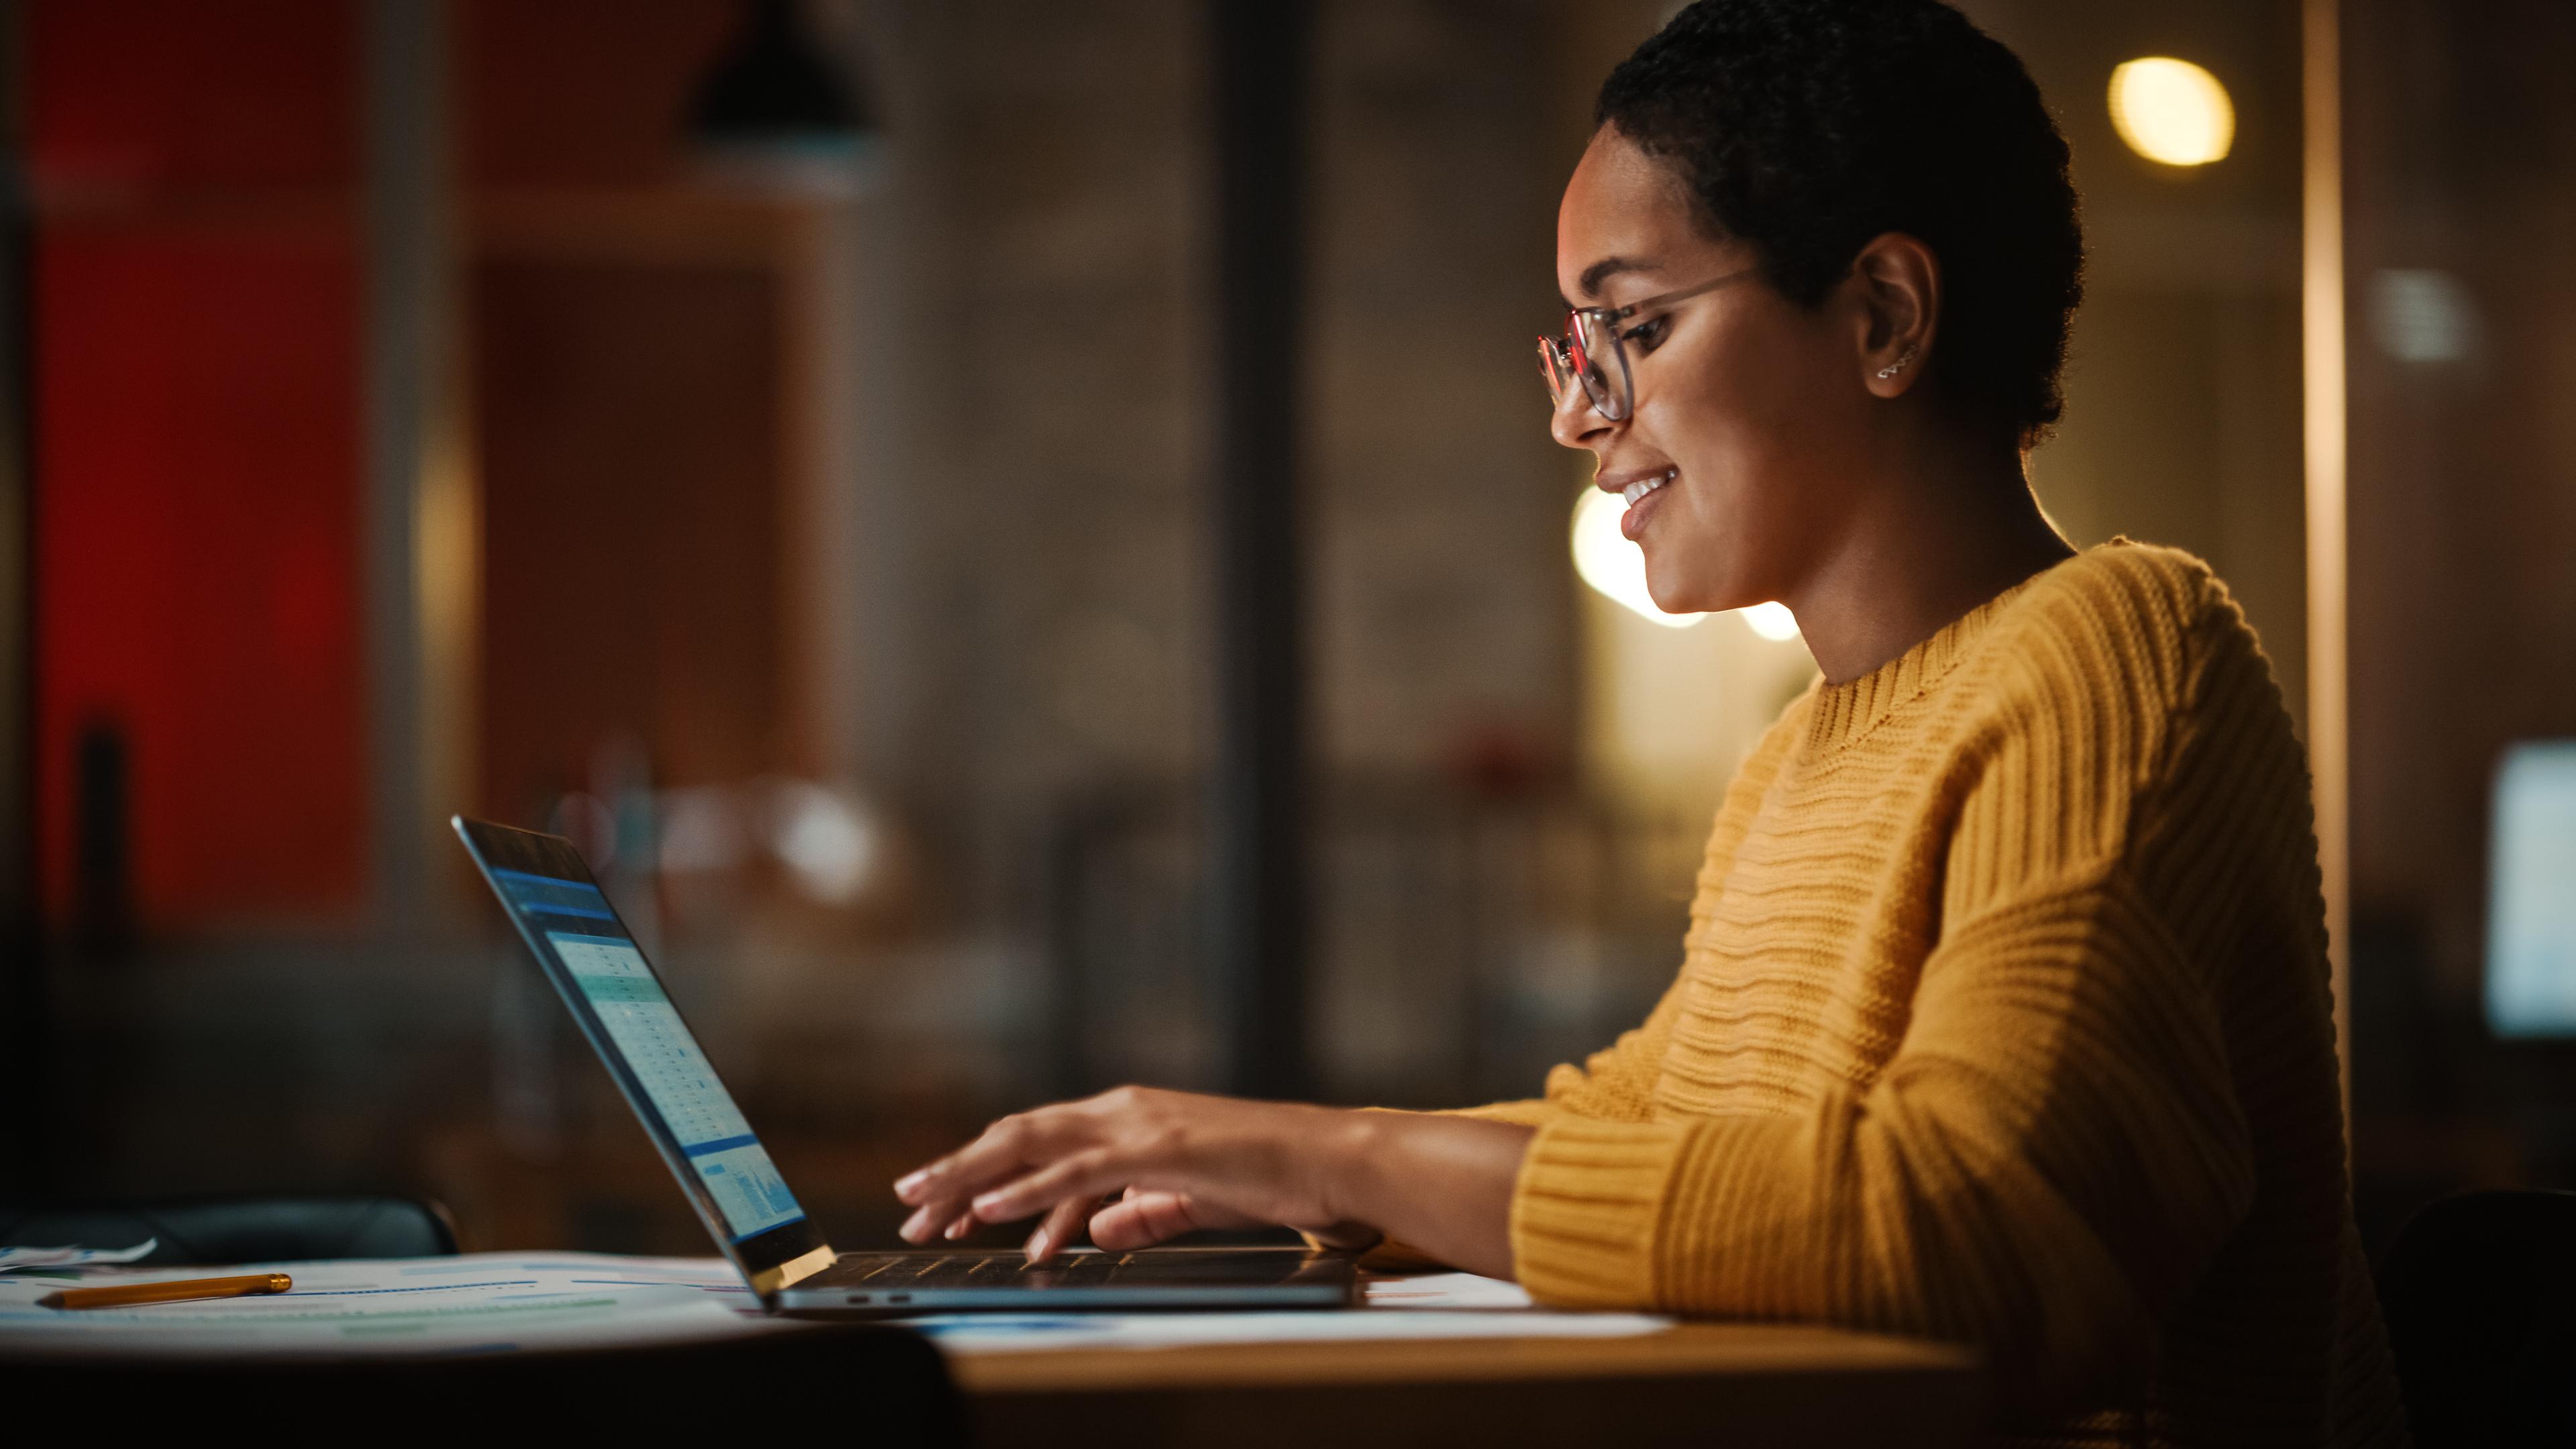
{"x":1587,"y":354}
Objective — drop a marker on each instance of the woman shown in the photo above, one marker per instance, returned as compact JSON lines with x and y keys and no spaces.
{"x":2003,"y":1015}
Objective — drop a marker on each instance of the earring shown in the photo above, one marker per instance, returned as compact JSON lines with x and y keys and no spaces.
{"x":1903,"y":361}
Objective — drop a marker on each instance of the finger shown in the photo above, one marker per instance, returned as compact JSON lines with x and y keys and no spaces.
{"x":1000,"y":1147}
{"x":964,"y":1224}
{"x":1063,"y":1224}
{"x":1205,"y":1212}
{"x":928,"y":1219}
{"x":1006,"y":1149}
{"x":1142,"y":1219}
{"x":1091,"y":1173}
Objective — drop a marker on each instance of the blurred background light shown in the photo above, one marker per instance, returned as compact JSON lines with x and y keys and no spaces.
{"x":828,"y":841}
{"x":2423,"y":315}
{"x":2172,"y":111}
{"x":1610,"y":563}
{"x":1771,"y":621}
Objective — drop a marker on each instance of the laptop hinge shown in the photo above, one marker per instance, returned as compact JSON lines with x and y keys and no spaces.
{"x":794,"y":1270}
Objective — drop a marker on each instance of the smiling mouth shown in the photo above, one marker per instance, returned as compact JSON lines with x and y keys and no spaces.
{"x":1644,"y":486}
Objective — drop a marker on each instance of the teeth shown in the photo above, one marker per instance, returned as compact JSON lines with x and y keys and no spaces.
{"x":1644,"y":486}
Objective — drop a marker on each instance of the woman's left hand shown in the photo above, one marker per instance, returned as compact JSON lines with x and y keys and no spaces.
{"x":1182,"y":1161}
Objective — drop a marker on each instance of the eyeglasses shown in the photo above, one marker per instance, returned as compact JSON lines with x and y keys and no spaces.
{"x":1594,"y":350}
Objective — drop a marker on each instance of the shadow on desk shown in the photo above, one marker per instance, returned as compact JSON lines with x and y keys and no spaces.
{"x":887,"y":1387}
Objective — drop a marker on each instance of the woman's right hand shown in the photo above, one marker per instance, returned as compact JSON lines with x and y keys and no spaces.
{"x":1142,"y":1166}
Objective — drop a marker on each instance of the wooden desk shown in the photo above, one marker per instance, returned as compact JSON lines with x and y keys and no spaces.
{"x":1740,"y":1385}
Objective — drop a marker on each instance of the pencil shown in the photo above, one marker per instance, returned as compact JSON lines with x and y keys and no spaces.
{"x":127,"y":1295}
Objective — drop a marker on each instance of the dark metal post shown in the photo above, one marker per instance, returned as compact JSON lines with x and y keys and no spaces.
{"x":1262,"y":56}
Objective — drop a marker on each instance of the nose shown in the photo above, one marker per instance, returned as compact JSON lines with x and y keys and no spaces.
{"x":1576,"y":423}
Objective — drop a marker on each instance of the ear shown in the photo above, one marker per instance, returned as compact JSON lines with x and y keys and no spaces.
{"x":1898,"y":286}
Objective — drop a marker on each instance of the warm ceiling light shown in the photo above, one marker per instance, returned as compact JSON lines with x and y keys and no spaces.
{"x":1610,"y":563}
{"x":2172,"y":111}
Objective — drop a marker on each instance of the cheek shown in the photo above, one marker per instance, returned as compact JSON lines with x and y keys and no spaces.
{"x":1762,"y":411}
{"x":1725,"y":427}
{"x":1777,"y":385}
{"x":1740,"y":425}
{"x":1734,"y":399}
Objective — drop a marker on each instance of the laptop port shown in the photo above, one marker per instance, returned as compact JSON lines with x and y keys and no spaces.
{"x":858,"y":1298}
{"x":898,"y":1298}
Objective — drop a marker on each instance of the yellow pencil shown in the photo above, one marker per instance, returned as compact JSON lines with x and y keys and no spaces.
{"x":127,"y":1295}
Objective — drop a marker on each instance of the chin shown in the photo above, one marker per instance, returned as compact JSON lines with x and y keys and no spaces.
{"x":1691,"y":597}
{"x":1708,"y":580}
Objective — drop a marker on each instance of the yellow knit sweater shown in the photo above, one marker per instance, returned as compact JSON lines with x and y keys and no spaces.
{"x":2003,"y":1017}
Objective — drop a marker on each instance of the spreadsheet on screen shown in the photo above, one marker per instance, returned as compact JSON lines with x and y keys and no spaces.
{"x":677,"y":1079}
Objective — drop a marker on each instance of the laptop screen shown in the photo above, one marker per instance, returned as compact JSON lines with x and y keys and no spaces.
{"x":601,"y":961}
{"x":651,"y":1053}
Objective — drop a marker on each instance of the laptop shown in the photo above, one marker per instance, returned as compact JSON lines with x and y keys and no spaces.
{"x":746,"y":1205}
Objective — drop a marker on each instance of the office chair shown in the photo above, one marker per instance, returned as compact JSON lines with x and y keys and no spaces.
{"x":2479,"y":1292}
{"x":197,"y":1231}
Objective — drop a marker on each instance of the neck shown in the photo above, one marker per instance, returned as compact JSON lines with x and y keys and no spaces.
{"x":1934,"y":540}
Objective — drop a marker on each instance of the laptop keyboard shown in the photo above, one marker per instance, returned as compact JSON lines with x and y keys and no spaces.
{"x":971,"y":1270}
{"x":1167,"y":1267}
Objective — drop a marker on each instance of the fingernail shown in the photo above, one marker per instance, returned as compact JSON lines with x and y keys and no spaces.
{"x":1037,"y":1244}
{"x":988,"y":1202}
{"x":958,"y":1229}
{"x":906,"y":1187}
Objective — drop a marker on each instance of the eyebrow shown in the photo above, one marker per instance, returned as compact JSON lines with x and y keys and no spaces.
{"x":1606,"y":268}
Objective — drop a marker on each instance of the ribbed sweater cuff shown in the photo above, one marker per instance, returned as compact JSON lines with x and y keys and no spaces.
{"x":1586,"y":1208}
{"x":1530,"y":1112}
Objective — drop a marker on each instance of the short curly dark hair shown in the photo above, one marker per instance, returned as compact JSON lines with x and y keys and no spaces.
{"x":1806,"y":127}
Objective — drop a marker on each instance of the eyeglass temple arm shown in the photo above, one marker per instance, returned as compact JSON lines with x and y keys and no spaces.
{"x":1663,"y":299}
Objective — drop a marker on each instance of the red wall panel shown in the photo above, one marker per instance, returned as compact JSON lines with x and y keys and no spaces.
{"x":180,"y":95}
{"x":198,"y":463}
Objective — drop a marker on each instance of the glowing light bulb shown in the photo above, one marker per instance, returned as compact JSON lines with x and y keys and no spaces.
{"x":2172,"y":111}
{"x":1611,"y":564}
{"x":1771,"y":621}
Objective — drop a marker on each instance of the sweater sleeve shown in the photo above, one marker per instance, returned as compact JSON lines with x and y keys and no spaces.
{"x":2050,"y":1158}
{"x":1616,"y":1083}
